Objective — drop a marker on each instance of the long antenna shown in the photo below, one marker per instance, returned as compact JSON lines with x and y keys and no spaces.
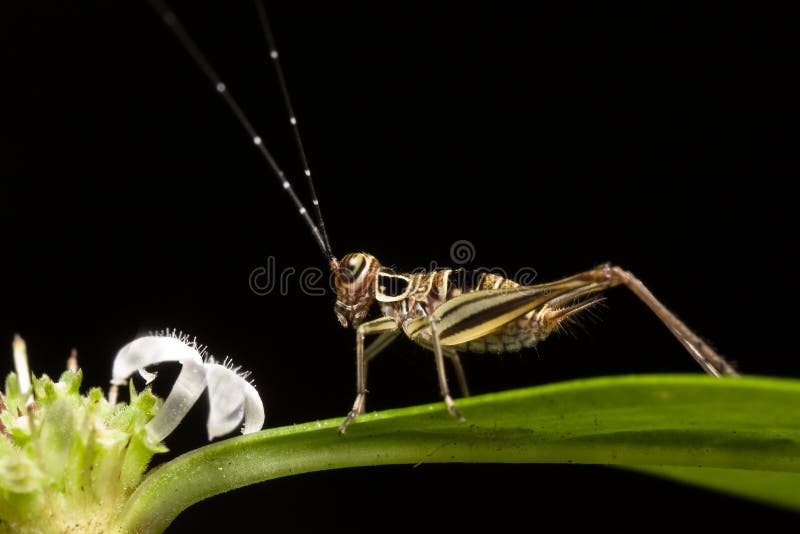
{"x":172,"y":22}
{"x":273,"y":54}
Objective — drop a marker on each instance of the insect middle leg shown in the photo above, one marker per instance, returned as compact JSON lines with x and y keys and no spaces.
{"x":455,"y":359}
{"x":444,"y":389}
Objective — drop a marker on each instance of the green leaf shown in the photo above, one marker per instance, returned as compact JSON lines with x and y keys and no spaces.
{"x":693,"y":428}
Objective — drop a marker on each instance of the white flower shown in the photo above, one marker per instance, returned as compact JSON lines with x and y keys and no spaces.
{"x":231,"y":397}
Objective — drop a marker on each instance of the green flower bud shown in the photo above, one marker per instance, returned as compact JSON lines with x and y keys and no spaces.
{"x":68,"y":461}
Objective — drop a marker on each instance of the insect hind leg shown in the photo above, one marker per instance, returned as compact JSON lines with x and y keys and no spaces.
{"x":712,"y":362}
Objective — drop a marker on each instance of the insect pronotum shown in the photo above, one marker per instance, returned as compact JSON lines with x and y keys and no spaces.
{"x":445,"y":311}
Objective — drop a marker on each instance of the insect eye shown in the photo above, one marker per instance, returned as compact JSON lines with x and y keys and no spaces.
{"x":350,"y":268}
{"x":354,"y":264}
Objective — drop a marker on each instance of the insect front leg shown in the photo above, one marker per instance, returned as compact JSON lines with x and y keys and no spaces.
{"x":384,"y":325}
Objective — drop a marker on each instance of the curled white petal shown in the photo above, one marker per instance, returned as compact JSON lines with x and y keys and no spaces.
{"x":231,"y":398}
{"x":150,"y":350}
{"x":185,"y":392}
{"x":191,"y":382}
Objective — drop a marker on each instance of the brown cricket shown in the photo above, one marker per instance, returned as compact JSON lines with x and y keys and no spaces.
{"x":443,"y":311}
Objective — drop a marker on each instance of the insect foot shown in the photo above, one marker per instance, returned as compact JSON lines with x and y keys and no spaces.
{"x":451,"y":407}
{"x":359,"y":407}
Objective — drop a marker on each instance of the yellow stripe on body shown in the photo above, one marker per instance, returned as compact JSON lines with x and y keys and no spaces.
{"x":473,"y":315}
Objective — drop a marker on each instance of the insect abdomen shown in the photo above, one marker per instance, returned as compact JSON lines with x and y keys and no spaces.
{"x":523,"y":332}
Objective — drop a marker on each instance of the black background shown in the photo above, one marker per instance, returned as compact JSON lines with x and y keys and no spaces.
{"x":555,"y":140}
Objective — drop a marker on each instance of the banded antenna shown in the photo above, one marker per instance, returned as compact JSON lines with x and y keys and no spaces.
{"x":174,"y":24}
{"x":273,"y":54}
